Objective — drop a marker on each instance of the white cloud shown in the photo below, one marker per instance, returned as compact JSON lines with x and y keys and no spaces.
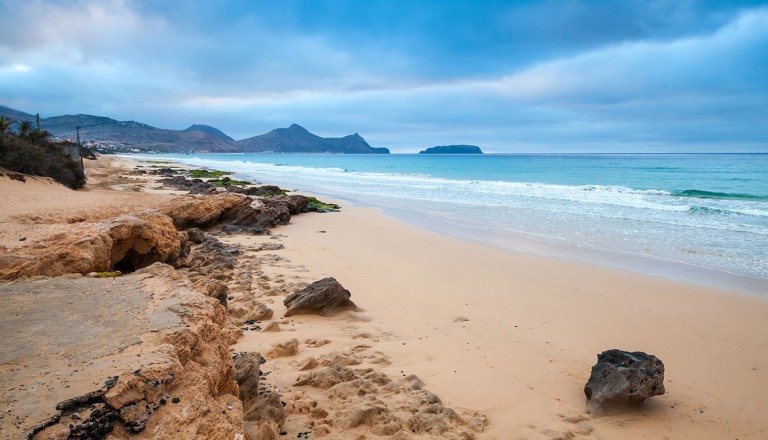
{"x":730,"y":60}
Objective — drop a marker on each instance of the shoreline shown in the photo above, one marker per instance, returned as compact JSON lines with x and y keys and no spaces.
{"x":548,"y":247}
{"x":507,"y":334}
{"x":553,"y":247}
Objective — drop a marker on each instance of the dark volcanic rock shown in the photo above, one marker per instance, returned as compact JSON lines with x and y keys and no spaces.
{"x":235,"y":229}
{"x":621,"y":378}
{"x":196,"y":235}
{"x":263,"y":213}
{"x":296,"y":203}
{"x":322,"y":297}
{"x":261,"y":191}
{"x":194,"y":186}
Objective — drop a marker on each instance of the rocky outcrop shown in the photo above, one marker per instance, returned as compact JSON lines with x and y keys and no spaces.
{"x":283,"y":349}
{"x":194,"y":186}
{"x":126,"y":243}
{"x":234,"y":209}
{"x":263,"y":419}
{"x":263,"y":411}
{"x":183,"y":388}
{"x":247,"y":375}
{"x":323,"y":297}
{"x":621,"y":378}
{"x":202,"y":211}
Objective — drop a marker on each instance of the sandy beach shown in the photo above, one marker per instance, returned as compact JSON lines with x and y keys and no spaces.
{"x":491,"y":332}
{"x":533,"y":328}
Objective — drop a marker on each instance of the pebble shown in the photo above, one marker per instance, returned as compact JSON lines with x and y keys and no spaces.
{"x":176,"y":399}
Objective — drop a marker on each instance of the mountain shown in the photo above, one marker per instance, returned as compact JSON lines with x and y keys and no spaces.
{"x":128,"y":136}
{"x":16,"y":115}
{"x":135,"y":134}
{"x":213,"y":131}
{"x":453,"y":149}
{"x":297,"y":139}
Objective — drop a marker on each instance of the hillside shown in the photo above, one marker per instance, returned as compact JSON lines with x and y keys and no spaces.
{"x":135,"y":134}
{"x":15,"y":115}
{"x":296,"y":139}
{"x":110,"y":135}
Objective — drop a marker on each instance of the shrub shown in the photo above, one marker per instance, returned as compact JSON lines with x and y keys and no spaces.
{"x":37,"y":156}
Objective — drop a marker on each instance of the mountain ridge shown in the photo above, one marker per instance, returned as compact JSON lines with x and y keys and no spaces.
{"x":197,"y":138}
{"x":298,"y":138}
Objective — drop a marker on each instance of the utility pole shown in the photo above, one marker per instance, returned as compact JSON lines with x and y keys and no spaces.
{"x":80,"y":151}
{"x":37,"y":121}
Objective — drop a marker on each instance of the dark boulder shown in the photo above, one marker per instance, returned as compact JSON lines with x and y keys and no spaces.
{"x":196,"y":235}
{"x":323,"y":297}
{"x":236,"y":229}
{"x":264,"y":190}
{"x":621,"y":378}
{"x":296,"y":203}
{"x":263,"y":213}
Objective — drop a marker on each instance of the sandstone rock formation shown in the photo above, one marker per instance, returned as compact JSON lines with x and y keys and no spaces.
{"x":201,"y":211}
{"x":176,"y":381}
{"x":126,"y":243}
{"x":323,"y":297}
{"x":283,"y":349}
{"x":621,"y":378}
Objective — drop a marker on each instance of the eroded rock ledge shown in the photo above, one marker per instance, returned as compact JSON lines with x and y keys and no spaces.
{"x":134,"y":241}
{"x":145,"y":357}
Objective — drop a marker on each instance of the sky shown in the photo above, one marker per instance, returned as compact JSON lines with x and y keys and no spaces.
{"x":509,"y":76}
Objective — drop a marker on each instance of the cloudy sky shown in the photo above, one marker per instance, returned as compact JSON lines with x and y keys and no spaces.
{"x":514,"y":76}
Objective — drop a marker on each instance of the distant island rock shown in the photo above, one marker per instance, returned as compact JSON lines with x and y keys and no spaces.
{"x":453,"y":149}
{"x":108,"y":135}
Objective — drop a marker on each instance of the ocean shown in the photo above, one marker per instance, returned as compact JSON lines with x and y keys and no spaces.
{"x":692,"y":217}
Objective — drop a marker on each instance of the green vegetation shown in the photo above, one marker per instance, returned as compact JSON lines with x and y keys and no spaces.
{"x":108,"y":274}
{"x":227,"y":182}
{"x":218,"y":178}
{"x":31,"y":151}
{"x":206,"y":174}
{"x":317,"y":205}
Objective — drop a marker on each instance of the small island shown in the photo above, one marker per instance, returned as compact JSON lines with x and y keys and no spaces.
{"x":453,"y":149}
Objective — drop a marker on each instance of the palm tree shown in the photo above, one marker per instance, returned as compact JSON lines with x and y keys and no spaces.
{"x":5,"y":125}
{"x":25,"y":127}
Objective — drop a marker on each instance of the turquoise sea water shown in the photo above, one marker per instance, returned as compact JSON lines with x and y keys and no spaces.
{"x":699,"y":217}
